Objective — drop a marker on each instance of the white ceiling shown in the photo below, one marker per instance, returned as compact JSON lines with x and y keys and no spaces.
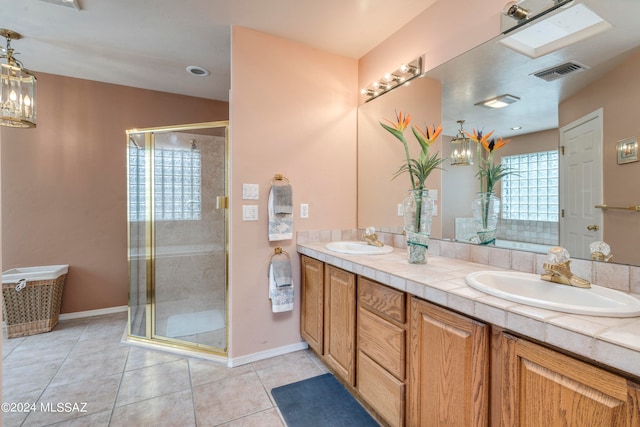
{"x":149,"y":43}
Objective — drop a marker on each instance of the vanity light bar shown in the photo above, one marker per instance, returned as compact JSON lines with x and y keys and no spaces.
{"x":402,"y":75}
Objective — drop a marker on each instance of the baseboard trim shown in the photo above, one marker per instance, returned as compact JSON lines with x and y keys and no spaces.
{"x":230,"y":361}
{"x":91,"y":313}
{"x":250,"y":358}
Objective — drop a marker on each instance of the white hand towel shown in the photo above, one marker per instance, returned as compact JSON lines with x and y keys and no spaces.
{"x":280,"y":224}
{"x":281,"y":297}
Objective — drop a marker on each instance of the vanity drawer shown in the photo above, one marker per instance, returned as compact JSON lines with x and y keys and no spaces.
{"x":381,"y":390}
{"x":382,"y":299}
{"x":382,"y":341}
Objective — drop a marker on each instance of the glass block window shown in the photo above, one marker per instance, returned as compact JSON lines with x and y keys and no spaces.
{"x":532,"y":192}
{"x":177,"y":190}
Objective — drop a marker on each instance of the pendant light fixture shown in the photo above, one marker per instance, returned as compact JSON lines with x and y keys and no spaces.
{"x":17,"y":88}
{"x":461,"y":149}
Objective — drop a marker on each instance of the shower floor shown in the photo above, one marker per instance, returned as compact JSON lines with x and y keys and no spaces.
{"x":194,"y":320}
{"x":187,"y":324}
{"x":188,"y":320}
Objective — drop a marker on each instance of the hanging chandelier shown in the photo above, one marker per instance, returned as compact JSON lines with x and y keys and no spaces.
{"x":17,"y":88}
{"x":461,"y":154}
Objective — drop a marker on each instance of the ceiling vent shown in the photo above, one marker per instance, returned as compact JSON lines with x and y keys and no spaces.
{"x":559,"y":71}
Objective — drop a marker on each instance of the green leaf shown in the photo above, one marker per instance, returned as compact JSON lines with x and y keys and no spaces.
{"x":423,"y":143}
{"x":395,"y":132}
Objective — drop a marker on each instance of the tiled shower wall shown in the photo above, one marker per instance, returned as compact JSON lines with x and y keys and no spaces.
{"x":540,"y":232}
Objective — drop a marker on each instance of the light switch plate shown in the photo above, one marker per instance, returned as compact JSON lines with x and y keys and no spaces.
{"x":249,"y":212}
{"x":433,"y":194}
{"x":250,"y":191}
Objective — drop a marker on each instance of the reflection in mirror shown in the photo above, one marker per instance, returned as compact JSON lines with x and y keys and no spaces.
{"x":380,"y":154}
{"x":547,"y":112}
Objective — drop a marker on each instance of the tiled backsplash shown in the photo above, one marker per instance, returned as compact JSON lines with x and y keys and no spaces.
{"x":539,"y":232}
{"x":616,"y":276}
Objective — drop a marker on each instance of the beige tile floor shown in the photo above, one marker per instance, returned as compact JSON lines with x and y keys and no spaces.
{"x":80,"y":374}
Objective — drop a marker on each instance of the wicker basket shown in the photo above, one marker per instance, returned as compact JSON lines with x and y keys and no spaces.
{"x":33,"y":309}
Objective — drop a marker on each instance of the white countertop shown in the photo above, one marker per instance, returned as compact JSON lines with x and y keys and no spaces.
{"x":610,"y":341}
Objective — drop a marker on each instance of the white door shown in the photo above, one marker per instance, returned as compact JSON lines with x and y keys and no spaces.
{"x":581,"y":184}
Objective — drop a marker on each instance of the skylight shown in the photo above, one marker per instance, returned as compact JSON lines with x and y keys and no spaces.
{"x":557,"y":31}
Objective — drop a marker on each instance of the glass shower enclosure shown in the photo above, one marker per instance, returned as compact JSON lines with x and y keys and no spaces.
{"x":177,"y":229}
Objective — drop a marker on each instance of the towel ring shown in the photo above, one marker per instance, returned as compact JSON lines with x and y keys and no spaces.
{"x":279,"y":251}
{"x":279,"y":177}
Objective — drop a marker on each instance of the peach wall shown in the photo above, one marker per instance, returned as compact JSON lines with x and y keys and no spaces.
{"x":293,"y":111}
{"x":443,"y":31}
{"x":621,"y":229}
{"x":64,"y":182}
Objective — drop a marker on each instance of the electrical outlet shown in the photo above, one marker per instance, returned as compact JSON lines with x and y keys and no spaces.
{"x":400,"y":209}
{"x":304,"y":210}
{"x":435,"y":210}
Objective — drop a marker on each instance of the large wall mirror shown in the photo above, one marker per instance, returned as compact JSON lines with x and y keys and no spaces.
{"x":586,"y":107}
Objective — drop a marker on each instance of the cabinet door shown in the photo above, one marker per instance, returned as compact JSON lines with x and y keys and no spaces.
{"x":340,"y":322}
{"x":448,"y":368}
{"x":312,"y":296}
{"x":543,"y":387}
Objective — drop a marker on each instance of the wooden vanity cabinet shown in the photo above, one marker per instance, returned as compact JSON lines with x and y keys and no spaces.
{"x":537,"y":386}
{"x":381,"y":356}
{"x":312,"y":303}
{"x":448,"y":371}
{"x":417,"y":364}
{"x":340,"y":322}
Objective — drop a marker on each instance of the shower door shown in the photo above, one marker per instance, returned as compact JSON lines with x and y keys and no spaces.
{"x":177,"y":189}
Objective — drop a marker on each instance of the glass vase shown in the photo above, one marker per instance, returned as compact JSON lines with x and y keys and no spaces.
{"x":418,"y":215}
{"x":486,"y":209}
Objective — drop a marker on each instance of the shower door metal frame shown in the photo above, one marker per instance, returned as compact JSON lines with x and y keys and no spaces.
{"x":150,"y":255}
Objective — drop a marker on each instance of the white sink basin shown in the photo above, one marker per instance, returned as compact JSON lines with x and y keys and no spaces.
{"x":529,"y":289}
{"x":357,"y":248}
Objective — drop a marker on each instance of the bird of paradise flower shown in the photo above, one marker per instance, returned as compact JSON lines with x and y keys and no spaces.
{"x":488,"y":173}
{"x":418,"y":169}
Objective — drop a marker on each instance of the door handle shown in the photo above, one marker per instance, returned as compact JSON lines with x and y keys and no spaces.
{"x":592,"y":227}
{"x":222,"y":202}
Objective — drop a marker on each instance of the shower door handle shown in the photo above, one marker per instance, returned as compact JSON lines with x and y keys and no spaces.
{"x":222,"y":202}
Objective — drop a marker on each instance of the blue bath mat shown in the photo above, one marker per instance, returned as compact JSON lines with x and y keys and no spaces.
{"x":318,"y":402}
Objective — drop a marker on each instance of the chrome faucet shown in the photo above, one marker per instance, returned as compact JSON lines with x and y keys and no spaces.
{"x":557,"y":270}
{"x":371,"y":237}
